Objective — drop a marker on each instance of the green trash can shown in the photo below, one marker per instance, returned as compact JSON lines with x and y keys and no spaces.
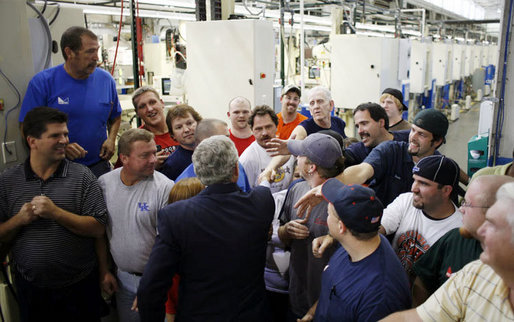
{"x":477,"y":153}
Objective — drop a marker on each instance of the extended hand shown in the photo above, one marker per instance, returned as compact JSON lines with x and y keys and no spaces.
{"x":310,"y":200}
{"x":75,"y":151}
{"x":107,"y":150}
{"x":265,"y":175}
{"x":277,"y":147}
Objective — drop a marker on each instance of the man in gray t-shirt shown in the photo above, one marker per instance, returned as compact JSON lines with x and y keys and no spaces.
{"x":134,"y":194}
{"x":319,"y":158}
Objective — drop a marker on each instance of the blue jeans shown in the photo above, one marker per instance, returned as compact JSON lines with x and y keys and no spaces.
{"x":127,"y":290}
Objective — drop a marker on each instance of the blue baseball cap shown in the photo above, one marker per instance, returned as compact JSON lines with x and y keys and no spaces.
{"x":358,"y":207}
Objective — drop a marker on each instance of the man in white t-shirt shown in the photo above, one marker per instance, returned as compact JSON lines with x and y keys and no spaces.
{"x":263,"y":122}
{"x":420,"y":217}
{"x":134,"y":194}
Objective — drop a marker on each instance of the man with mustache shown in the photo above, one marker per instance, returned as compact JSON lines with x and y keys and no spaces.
{"x":289,"y":117}
{"x":263,"y":122}
{"x":86,"y":93}
{"x":389,"y":165}
{"x":372,"y":126}
{"x":239,"y":110}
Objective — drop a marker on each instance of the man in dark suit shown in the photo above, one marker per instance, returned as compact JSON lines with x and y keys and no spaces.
{"x":215,"y":241}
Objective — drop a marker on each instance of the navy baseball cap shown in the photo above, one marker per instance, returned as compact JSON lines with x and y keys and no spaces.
{"x":358,"y":207}
{"x":433,"y":121}
{"x":438,"y":168}
{"x":321,"y":149}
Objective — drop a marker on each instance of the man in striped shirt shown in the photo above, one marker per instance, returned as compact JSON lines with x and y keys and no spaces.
{"x":51,"y":211}
{"x":482,"y":290}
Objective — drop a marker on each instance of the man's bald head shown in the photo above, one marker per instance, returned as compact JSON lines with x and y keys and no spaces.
{"x":489,"y":184}
{"x":210,"y":127}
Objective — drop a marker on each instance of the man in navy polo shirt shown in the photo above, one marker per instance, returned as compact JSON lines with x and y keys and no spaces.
{"x":372,"y":126}
{"x":364,"y":281}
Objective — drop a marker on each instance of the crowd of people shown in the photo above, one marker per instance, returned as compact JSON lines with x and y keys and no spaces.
{"x":279,"y":218}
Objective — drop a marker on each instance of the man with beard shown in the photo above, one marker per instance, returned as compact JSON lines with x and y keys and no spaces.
{"x":263,"y":123}
{"x":420,"y":217}
{"x":373,"y":127}
{"x":289,"y":117}
{"x":239,"y":109}
{"x":389,"y":165}
{"x":86,"y":93}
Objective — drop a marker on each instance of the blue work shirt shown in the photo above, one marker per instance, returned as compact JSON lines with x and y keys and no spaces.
{"x":357,"y":152}
{"x":242,"y":180}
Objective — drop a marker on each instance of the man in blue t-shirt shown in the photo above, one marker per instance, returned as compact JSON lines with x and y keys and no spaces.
{"x":86,"y":94}
{"x":364,"y":280}
{"x":372,"y":126}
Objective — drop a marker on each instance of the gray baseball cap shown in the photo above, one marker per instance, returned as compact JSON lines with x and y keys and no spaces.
{"x":321,"y":149}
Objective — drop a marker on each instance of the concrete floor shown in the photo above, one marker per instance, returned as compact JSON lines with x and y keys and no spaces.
{"x":459,"y":133}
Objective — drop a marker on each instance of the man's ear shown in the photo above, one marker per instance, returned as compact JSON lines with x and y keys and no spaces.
{"x":68,"y":52}
{"x":123,"y":158}
{"x":31,"y":141}
{"x":381,"y":123}
{"x":447,"y":190}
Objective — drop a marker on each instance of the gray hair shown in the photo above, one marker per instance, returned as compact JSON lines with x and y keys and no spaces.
{"x":130,"y":136}
{"x":326,"y":93}
{"x":140,"y":91}
{"x":506,"y":191}
{"x":214,"y":160}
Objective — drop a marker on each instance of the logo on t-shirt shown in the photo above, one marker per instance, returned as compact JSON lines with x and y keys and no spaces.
{"x":63,"y":101}
{"x":143,"y":206}
{"x":411,"y":245}
{"x":449,"y":272}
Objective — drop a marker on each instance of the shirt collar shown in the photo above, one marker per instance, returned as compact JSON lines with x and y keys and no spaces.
{"x":220,"y":188}
{"x":61,"y":171}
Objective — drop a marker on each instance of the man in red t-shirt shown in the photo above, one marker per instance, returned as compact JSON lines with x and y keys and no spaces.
{"x":239,"y":110}
{"x":289,"y":117}
{"x":150,"y":108}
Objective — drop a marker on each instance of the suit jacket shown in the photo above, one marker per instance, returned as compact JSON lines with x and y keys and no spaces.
{"x":216,"y":241}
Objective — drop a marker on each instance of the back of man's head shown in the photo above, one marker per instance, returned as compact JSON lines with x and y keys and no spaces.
{"x":209,"y":127}
{"x":215,"y":160}
{"x":72,"y":38}
{"x":130,"y":136}
{"x":376,"y":112}
{"x":37,"y":119}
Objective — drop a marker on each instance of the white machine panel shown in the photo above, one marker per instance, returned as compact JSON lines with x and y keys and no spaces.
{"x":468,"y":60}
{"x":404,"y":56}
{"x":457,"y":61}
{"x":226,"y":59}
{"x":484,"y":58}
{"x":420,"y":71}
{"x":494,"y":52}
{"x":477,"y":56}
{"x":441,"y":63}
{"x":362,"y":67}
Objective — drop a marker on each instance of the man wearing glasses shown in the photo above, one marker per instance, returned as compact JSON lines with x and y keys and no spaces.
{"x":457,"y":247}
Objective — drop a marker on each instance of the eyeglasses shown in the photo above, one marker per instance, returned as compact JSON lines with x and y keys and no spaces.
{"x":464,"y":203}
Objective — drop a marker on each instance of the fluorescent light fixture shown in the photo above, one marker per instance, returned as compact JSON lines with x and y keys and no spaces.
{"x":171,"y":3}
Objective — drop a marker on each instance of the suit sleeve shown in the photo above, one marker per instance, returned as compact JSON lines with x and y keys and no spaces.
{"x":159,"y":271}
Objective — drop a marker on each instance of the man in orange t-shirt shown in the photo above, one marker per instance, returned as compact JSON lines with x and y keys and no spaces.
{"x":289,"y":117}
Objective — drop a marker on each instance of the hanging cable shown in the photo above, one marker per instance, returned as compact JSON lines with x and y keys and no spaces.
{"x":118,"y":40}
{"x":11,"y":109}
{"x":49,"y":35}
{"x":56,"y":14}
